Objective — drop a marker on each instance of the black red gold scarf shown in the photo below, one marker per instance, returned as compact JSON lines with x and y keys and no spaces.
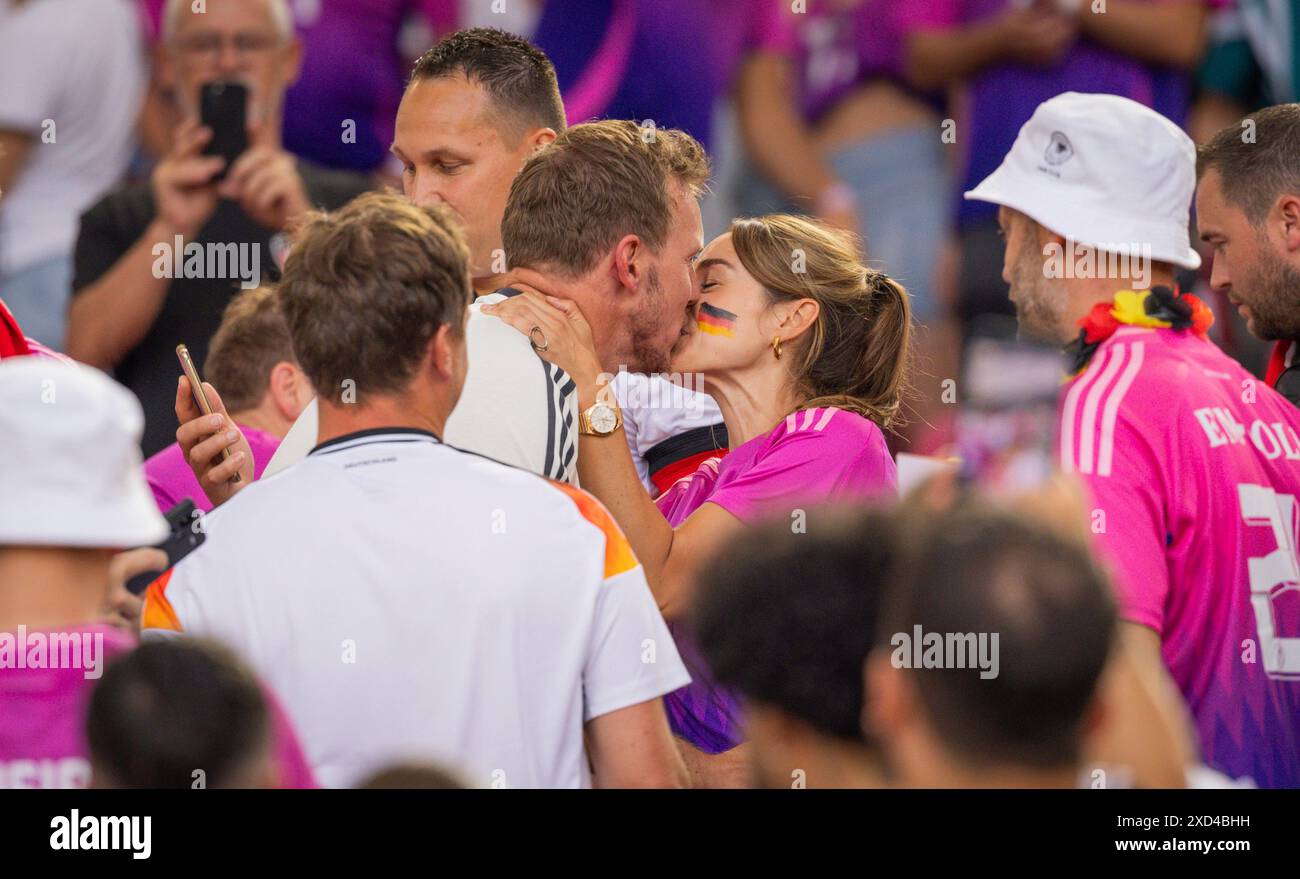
{"x":1158,"y":307}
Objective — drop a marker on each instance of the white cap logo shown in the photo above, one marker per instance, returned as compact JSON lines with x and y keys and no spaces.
{"x":1059,"y":151}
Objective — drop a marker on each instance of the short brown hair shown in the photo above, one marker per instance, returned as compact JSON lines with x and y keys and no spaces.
{"x":366,"y":287}
{"x":858,"y":354}
{"x":252,"y":338}
{"x":1256,"y":172}
{"x":597,"y":182}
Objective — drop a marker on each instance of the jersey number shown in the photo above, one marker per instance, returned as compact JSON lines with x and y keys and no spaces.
{"x":1273,"y":574}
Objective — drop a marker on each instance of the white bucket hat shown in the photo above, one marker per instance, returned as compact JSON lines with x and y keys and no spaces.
{"x":1103,"y":171}
{"x":70,"y":466}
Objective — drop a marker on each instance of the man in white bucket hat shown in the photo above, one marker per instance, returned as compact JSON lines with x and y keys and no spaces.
{"x":71,"y":495}
{"x":1192,"y":467}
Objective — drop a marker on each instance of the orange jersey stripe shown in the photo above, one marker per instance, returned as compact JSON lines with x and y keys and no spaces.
{"x":618,"y":552}
{"x":158,"y":612}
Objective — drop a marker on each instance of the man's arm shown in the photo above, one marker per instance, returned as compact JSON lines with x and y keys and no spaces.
{"x":780,"y":145}
{"x":937,"y":58}
{"x":1170,"y":33}
{"x":110,"y":316}
{"x":633,"y":747}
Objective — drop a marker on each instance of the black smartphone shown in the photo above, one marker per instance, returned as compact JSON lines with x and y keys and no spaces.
{"x":223,"y":107}
{"x":186,"y":536}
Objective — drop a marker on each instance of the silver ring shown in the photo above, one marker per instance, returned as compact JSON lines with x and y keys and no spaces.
{"x":545,"y":345}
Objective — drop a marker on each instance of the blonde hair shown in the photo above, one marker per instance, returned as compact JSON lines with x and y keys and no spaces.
{"x":857,"y":355}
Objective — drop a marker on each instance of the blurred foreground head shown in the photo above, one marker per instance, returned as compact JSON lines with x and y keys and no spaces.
{"x":994,"y":639}
{"x":179,"y":713}
{"x":787,"y":619}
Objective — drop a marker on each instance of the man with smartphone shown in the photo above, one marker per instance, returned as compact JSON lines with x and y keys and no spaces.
{"x":157,"y":263}
{"x":1191,"y":465}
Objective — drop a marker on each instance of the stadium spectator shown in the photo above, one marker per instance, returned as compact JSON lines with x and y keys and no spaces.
{"x":516,"y":598}
{"x":62,"y":145}
{"x":877,"y":137}
{"x":157,"y":262}
{"x":251,"y":358}
{"x":339,"y":112}
{"x":1248,"y":210}
{"x":986,"y":668}
{"x":787,"y":620}
{"x":1191,"y":467}
{"x":180,"y":714}
{"x":73,"y":495}
{"x":71,"y":440}
{"x":883,"y":141}
{"x":808,"y":367}
{"x":1005,"y":57}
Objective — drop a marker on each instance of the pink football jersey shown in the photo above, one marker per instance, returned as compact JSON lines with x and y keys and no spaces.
{"x":1193,"y":470}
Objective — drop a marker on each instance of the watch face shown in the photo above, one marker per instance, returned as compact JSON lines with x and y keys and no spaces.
{"x":603,"y":419}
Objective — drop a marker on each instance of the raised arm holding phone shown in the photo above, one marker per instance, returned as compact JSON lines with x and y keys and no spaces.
{"x":157,"y":263}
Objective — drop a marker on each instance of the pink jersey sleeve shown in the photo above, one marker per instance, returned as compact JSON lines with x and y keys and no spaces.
{"x":1102,"y":443}
{"x":817,"y":456}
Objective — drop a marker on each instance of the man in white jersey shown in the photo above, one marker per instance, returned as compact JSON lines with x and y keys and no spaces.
{"x":409,"y":600}
{"x":1191,"y":464}
{"x":479,"y":104}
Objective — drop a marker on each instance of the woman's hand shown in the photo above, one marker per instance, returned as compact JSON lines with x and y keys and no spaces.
{"x":558,"y":333}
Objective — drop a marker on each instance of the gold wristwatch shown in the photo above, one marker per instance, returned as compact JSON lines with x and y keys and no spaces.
{"x":601,"y":419}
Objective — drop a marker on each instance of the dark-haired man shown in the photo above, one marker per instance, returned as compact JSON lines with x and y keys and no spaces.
{"x":1248,"y":210}
{"x":986,"y":670}
{"x":176,"y":714}
{"x":788,"y":620}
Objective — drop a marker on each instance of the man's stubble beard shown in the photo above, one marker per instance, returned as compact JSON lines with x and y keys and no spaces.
{"x":1274,"y":297}
{"x":647,"y":325}
{"x":1040,"y":309}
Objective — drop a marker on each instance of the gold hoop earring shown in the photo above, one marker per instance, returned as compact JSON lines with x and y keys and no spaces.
{"x":776,"y":346}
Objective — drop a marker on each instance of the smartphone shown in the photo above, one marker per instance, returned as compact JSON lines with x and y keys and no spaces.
{"x":1006,"y":427}
{"x":200,"y":397}
{"x":186,"y":536}
{"x":223,"y":107}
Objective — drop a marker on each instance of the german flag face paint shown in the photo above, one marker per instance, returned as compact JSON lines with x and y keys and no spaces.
{"x":716,"y":321}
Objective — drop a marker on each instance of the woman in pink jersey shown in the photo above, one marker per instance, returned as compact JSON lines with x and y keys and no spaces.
{"x":805,"y":350}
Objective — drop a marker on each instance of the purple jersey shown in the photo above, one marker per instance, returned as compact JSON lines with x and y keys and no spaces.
{"x":815,"y":456}
{"x":1193,"y":469}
